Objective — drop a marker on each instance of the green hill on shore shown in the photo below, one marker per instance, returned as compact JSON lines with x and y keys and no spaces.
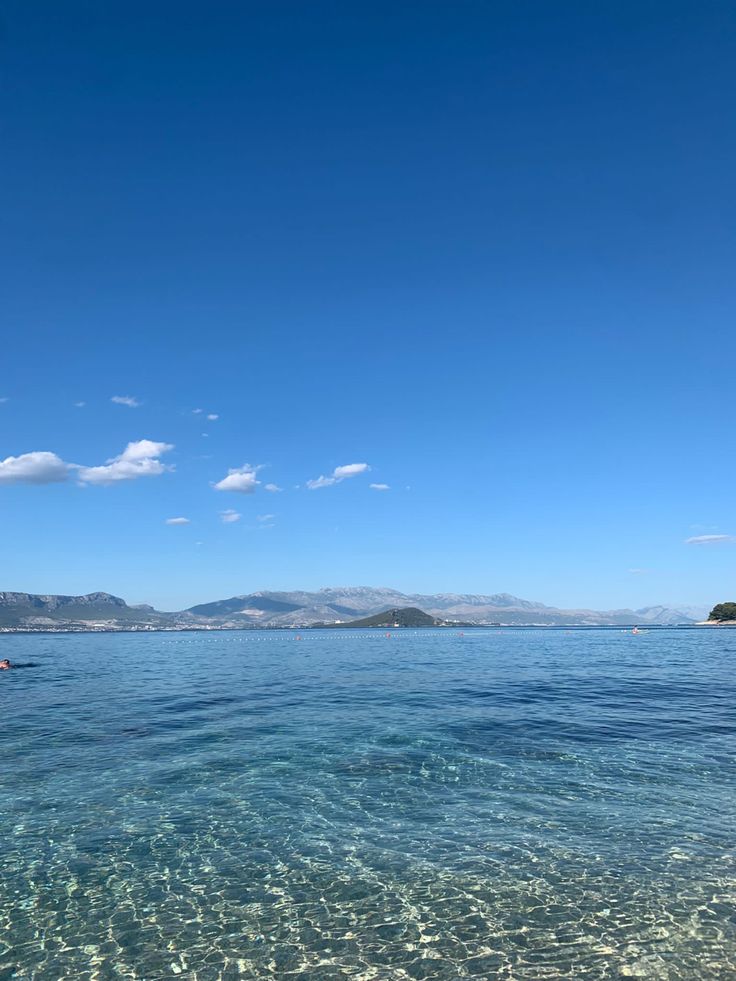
{"x":409,"y":616}
{"x":723,"y":612}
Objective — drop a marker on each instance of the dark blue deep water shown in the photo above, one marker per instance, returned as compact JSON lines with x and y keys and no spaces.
{"x":518,"y":804}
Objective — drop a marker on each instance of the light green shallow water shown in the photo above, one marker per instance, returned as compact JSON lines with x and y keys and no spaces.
{"x":511,"y":804}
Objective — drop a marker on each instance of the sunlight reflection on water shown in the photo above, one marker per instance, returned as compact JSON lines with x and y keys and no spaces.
{"x":513,"y":804}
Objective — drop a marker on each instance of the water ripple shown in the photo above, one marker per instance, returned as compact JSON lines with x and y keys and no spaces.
{"x":508,"y":804}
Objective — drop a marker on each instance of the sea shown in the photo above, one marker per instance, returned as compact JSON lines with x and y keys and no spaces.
{"x":519,"y":804}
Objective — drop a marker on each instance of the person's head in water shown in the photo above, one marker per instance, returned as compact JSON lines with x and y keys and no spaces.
{"x":4,"y":664}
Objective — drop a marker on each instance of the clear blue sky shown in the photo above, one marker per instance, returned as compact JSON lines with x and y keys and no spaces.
{"x":485,"y":248}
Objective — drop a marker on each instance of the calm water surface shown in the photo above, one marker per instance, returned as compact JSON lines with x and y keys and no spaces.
{"x":507,"y":804}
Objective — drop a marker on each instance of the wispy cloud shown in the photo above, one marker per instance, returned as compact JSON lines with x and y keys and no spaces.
{"x":196,"y":412}
{"x":139,"y":459}
{"x":39,"y":467}
{"x":273,"y":488}
{"x":265,"y":517}
{"x":338,"y":474}
{"x":241,"y":479}
{"x":79,"y":405}
{"x":178,"y":521}
{"x":213,"y":416}
{"x":4,"y":399}
{"x":379,"y":487}
{"x":128,"y":400}
{"x":321,"y":482}
{"x":709,"y":539}
{"x":230,"y":516}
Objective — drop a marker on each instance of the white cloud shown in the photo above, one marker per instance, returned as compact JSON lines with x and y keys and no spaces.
{"x":265,"y":517}
{"x":139,"y":459}
{"x":379,"y":487}
{"x":178,"y":521}
{"x":241,"y":479}
{"x":230,"y":516}
{"x":338,"y":474}
{"x":38,"y":467}
{"x":128,"y":400}
{"x":709,"y":539}
{"x":273,"y":488}
{"x":213,"y":416}
{"x":79,"y":405}
{"x":321,"y":482}
{"x":350,"y":470}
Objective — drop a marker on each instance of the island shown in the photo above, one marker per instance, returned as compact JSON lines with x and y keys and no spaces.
{"x":722,"y":615}
{"x":409,"y":616}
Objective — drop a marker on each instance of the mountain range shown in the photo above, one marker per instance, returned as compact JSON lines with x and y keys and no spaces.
{"x":333,"y":605}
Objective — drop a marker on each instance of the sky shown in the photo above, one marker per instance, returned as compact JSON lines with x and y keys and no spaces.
{"x":437,"y":296}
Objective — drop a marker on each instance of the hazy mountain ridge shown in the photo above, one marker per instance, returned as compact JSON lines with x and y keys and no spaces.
{"x":33,"y":611}
{"x":354,"y":602}
{"x":55,"y":601}
{"x":298,"y":608}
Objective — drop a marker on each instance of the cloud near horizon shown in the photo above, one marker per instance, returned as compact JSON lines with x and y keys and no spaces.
{"x":240,"y":479}
{"x":709,"y":539}
{"x":338,"y":475}
{"x":138,"y":459}
{"x":129,"y":400}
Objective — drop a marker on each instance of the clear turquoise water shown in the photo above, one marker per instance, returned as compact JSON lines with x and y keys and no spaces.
{"x":507,"y":804}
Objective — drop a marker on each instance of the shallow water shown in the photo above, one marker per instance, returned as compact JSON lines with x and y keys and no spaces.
{"x":519,"y":804}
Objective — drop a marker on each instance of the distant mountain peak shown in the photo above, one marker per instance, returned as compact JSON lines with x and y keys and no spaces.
{"x":301,"y":608}
{"x":54,"y":601}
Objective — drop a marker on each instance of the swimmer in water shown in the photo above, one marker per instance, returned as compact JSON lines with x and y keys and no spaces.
{"x":5,"y":664}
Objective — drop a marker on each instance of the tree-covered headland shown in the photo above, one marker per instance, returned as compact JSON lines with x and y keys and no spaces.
{"x":723,"y":611}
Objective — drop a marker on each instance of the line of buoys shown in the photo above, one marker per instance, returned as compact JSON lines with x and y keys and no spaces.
{"x":281,"y":636}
